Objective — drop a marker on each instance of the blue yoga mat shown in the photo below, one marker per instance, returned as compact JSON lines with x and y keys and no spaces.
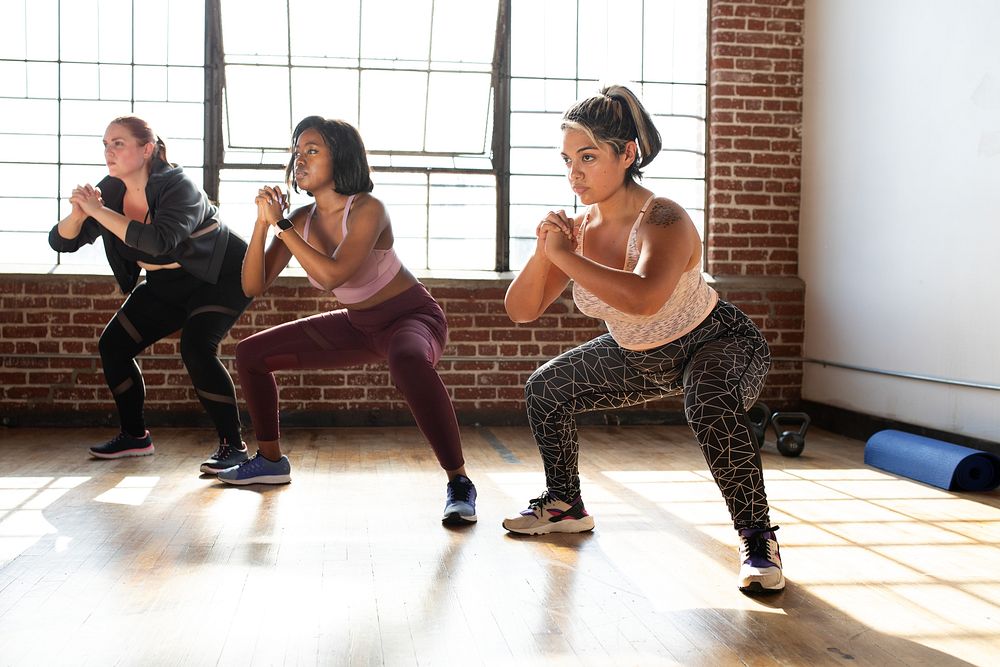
{"x":941,"y":464}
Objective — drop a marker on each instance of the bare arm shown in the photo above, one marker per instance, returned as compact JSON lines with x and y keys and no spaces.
{"x":668,"y":243}
{"x":540,"y":282}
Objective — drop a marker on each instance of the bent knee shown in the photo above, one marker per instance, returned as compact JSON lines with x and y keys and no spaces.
{"x":408,"y":359}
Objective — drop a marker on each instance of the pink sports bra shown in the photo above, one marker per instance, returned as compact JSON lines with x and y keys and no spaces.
{"x":377,"y":271}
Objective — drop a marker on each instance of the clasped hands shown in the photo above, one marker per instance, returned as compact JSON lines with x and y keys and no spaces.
{"x":555,"y":233}
{"x":87,"y":198}
{"x":271,"y":204}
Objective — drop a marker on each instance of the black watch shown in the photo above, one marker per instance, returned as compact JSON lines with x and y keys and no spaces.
{"x":284,"y":224}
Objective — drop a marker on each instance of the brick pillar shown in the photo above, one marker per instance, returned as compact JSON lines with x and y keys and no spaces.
{"x":754,"y":161}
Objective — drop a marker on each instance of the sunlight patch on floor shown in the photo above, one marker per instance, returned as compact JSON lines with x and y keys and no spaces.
{"x":129,"y":491}
{"x":22,"y":522}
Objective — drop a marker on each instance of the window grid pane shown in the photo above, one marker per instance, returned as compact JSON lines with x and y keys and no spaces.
{"x":438,"y":180}
{"x":414,"y":78}
{"x":664,"y":63}
{"x":59,"y":89}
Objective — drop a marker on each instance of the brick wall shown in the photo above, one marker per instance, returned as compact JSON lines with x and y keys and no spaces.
{"x":755,"y":136}
{"x":50,"y":371}
{"x":754,"y":163}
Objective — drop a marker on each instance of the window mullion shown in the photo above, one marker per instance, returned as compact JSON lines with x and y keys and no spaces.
{"x":214,"y":84}
{"x":501,"y":134}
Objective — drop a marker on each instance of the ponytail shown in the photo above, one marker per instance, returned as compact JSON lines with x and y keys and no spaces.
{"x":160,"y":152}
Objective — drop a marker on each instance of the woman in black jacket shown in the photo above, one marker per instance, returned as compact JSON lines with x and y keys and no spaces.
{"x":151,"y":216}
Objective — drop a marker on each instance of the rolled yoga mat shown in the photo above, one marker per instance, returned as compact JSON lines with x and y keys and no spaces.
{"x":941,"y":464}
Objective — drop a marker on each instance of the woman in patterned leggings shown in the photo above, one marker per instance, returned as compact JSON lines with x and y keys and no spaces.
{"x":635,"y":262}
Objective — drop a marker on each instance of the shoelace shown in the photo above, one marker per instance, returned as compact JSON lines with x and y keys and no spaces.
{"x":458,"y":490}
{"x":536,"y":505}
{"x":225,"y":449}
{"x":122,"y":435}
{"x":756,"y":544}
{"x":543,"y":499}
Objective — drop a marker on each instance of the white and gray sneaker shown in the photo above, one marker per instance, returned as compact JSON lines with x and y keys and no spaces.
{"x":546,"y":514}
{"x":760,"y":562}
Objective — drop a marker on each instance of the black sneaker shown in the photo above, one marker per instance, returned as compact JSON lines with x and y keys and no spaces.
{"x":123,"y":445}
{"x":460,"y":504}
{"x":226,"y":456}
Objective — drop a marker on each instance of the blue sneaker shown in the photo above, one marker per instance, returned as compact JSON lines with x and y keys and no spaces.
{"x":123,"y":445}
{"x":760,"y":562}
{"x":460,"y":506}
{"x":259,"y":470}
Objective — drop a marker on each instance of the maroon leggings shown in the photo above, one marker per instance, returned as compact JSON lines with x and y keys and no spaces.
{"x":408,"y":330}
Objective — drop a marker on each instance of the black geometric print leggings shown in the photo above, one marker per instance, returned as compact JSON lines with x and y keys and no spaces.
{"x":720,"y":368}
{"x":172,"y":299}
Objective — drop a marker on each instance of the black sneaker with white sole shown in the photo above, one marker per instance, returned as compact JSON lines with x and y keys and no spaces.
{"x":123,"y":445}
{"x":226,"y":456}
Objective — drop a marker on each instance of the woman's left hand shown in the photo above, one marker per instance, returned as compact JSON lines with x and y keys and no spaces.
{"x":556,"y":240}
{"x":88,"y":198}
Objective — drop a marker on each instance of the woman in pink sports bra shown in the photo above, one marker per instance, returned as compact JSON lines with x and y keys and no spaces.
{"x":635,"y":262}
{"x":344,"y":242}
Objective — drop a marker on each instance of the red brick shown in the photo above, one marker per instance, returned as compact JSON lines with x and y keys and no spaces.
{"x":474,"y":393}
{"x":22,"y":393}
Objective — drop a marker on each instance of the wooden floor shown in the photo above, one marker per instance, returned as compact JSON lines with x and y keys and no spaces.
{"x":144,"y":562}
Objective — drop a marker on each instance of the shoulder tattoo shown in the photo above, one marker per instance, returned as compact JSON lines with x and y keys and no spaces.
{"x":663,"y":214}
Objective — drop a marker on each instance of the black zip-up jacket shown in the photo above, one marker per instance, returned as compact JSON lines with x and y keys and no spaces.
{"x":183,"y":226}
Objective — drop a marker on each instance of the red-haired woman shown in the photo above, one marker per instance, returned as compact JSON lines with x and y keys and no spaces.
{"x":151,"y":216}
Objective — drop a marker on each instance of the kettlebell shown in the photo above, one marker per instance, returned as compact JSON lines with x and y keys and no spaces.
{"x":790,"y":428}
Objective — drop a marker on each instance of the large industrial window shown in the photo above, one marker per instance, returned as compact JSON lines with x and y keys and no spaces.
{"x":414,"y":77}
{"x":563,"y":50}
{"x":66,"y":69}
{"x":425,"y":81}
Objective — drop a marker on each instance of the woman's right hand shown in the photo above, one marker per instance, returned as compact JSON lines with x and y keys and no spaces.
{"x":87,"y":199}
{"x":556,"y":222}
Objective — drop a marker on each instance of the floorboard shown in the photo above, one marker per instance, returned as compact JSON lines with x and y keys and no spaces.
{"x":146,"y":562}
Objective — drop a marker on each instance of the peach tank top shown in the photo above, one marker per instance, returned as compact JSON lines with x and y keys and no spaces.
{"x":689,"y":304}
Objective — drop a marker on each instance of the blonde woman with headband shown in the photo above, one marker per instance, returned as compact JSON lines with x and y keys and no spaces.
{"x":635,"y":261}
{"x":152,"y":217}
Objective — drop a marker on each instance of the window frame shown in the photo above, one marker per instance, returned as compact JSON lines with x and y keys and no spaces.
{"x":498,"y":145}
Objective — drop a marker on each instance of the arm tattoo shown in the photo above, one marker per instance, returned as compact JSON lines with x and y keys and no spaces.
{"x":663,"y":215}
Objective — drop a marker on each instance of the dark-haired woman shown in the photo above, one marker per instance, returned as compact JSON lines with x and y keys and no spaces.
{"x":344,"y":242}
{"x":152,"y":217}
{"x":635,"y":262}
